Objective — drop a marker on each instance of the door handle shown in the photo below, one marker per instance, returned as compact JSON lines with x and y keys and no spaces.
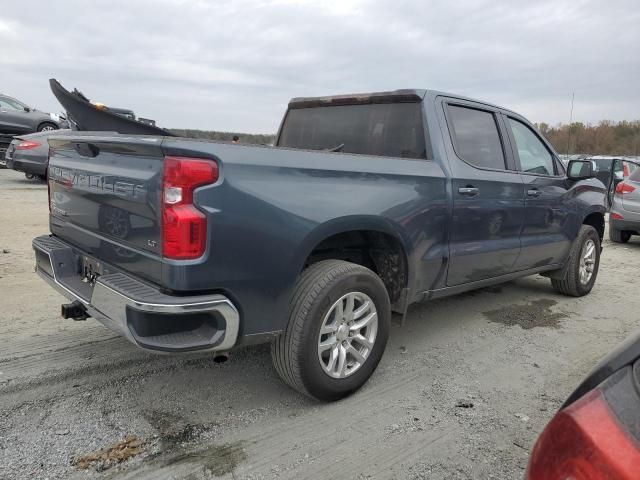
{"x":534,"y":192}
{"x":468,"y":191}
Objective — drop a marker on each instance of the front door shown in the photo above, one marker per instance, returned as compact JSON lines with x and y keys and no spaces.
{"x":488,"y":195}
{"x":549,"y":213}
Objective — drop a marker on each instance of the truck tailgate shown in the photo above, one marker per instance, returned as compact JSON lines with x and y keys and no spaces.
{"x":104,"y":197}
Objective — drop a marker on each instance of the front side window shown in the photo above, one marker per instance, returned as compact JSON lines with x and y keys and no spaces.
{"x":476,"y":138}
{"x":534,"y":156}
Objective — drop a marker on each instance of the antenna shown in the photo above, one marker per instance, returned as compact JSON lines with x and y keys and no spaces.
{"x":573,"y":94}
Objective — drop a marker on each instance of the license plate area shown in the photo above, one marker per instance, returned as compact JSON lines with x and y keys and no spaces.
{"x":91,"y":269}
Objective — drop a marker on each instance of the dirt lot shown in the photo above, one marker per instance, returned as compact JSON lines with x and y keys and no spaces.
{"x":463,"y":390}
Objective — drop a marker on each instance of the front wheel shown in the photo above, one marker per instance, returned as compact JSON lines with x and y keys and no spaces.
{"x":338,"y":328}
{"x":582,"y":269}
{"x":47,"y":127}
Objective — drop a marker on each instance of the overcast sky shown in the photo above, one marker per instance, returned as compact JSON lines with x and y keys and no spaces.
{"x":233,"y":66}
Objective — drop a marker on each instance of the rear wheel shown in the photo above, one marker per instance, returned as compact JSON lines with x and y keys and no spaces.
{"x":619,"y":236}
{"x":29,"y":176}
{"x":338,"y":329}
{"x":582,"y":269}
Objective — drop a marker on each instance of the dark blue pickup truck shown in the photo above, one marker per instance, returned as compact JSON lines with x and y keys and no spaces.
{"x":366,"y":204}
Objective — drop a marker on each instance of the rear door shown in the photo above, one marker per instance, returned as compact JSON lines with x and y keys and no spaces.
{"x":549,"y":213}
{"x":488,"y":195}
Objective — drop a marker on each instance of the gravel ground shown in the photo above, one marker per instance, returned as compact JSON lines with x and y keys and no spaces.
{"x":462,"y":392}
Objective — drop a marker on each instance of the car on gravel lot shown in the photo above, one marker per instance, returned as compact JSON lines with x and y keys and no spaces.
{"x":596,"y":433}
{"x":17,"y":118}
{"x":366,"y":204}
{"x":624,"y":217}
{"x":30,"y":154}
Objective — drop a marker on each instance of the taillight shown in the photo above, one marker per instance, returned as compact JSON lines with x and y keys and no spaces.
{"x":184,"y":227}
{"x":26,"y":145}
{"x":624,"y":187}
{"x":616,"y":216}
{"x":584,"y":442}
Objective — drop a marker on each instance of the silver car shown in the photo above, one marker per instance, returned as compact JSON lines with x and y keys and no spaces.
{"x":624,"y":217}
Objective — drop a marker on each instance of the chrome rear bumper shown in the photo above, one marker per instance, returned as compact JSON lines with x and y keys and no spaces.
{"x":141,"y":313}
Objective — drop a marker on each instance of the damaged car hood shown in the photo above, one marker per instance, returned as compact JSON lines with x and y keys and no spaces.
{"x":90,"y":117}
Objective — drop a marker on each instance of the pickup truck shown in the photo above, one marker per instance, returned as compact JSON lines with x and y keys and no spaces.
{"x":364,"y":205}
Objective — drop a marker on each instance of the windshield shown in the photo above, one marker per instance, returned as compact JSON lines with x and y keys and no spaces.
{"x":391,"y":129}
{"x":11,"y":104}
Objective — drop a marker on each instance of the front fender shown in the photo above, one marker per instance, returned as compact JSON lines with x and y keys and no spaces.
{"x":590,"y":196}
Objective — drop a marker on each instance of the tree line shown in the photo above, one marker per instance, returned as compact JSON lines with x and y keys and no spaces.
{"x":604,"y":138}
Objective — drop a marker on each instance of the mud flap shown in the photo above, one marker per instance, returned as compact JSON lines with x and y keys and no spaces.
{"x":402,"y":305}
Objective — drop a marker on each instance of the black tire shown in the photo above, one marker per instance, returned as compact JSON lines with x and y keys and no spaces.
{"x":619,"y":236}
{"x":47,"y":126}
{"x":29,"y":176}
{"x":295,"y":352}
{"x":571,"y":284}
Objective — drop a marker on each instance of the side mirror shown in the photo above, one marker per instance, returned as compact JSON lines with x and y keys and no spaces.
{"x":580,"y":169}
{"x":27,"y":109}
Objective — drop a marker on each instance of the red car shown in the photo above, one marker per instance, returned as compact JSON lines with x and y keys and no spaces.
{"x":596,"y":433}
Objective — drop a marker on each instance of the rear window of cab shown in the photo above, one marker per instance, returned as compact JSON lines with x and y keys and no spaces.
{"x":385,"y":129}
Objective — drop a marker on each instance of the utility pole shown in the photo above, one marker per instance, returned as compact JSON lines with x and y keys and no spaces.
{"x":573,"y":94}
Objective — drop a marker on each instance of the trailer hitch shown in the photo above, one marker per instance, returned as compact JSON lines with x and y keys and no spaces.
{"x":75,"y":310}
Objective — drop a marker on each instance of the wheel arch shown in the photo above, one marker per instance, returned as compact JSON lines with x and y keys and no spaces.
{"x":47,"y":122}
{"x":595,"y":218}
{"x":382,"y":241}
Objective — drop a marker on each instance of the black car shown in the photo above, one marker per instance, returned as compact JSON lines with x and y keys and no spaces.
{"x":17,"y":118}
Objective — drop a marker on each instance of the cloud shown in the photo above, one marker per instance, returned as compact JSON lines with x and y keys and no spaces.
{"x":234,"y":65}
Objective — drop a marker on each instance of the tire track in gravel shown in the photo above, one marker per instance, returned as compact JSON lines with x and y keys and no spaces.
{"x":272,"y":444}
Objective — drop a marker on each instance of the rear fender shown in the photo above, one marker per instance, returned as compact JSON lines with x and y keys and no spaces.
{"x":351,"y":224}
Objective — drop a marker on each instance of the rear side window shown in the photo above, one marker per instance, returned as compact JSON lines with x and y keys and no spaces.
{"x":476,"y":137}
{"x":390,"y":130}
{"x":534,"y":156}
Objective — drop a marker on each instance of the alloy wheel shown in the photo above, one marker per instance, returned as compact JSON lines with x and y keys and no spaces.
{"x":587,"y":261}
{"x":347,"y":335}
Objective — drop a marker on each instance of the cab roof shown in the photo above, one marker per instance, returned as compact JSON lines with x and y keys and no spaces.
{"x":407,"y":95}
